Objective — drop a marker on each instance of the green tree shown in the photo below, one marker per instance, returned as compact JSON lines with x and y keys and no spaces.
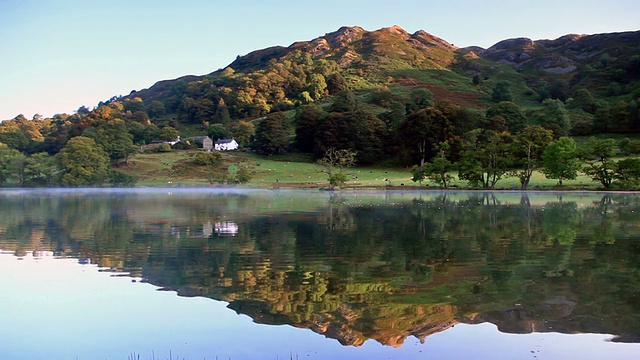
{"x":335,"y":162}
{"x":598,"y":154}
{"x":306,"y":121}
{"x":529,"y":146}
{"x":156,"y":109}
{"x":583,"y":100}
{"x":217,"y":132}
{"x":505,"y":115}
{"x":421,"y":132}
{"x":560,"y":160}
{"x":501,"y":92}
{"x":553,"y":116}
{"x":121,"y":179}
{"x":344,"y":101}
{"x":439,"y":169}
{"x":168,"y":133}
{"x":272,"y":135}
{"x":83,"y":162}
{"x":486,"y":158}
{"x":419,"y":99}
{"x":113,"y":136}
{"x":627,"y":174}
{"x":40,"y":169}
{"x":243,"y":133}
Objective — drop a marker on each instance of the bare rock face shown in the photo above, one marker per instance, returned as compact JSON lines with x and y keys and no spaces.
{"x":344,"y":36}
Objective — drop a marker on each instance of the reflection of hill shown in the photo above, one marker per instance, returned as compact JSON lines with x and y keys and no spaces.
{"x":382,"y":269}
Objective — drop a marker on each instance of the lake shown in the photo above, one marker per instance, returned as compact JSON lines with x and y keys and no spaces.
{"x":257,"y":274}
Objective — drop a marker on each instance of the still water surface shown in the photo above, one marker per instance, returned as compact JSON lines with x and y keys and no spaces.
{"x":229,"y":274}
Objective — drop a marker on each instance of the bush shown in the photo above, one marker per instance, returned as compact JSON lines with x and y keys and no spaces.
{"x":207,"y":158}
{"x":164,"y":147}
{"x":121,"y":179}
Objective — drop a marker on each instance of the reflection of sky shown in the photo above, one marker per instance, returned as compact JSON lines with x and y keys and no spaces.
{"x":59,"y":309}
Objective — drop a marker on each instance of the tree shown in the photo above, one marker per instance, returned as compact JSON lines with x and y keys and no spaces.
{"x":40,"y":169}
{"x":627,"y":174}
{"x":243,"y":133}
{"x":336,"y":162}
{"x":438,"y":170}
{"x":114,"y":138}
{"x":344,"y":101}
{"x":156,"y":109}
{"x":121,"y":179}
{"x":419,"y":99}
{"x":583,"y":100}
{"x":272,"y":135}
{"x":217,"y":132}
{"x":598,"y":154}
{"x":421,"y":132}
{"x":360,"y":131}
{"x":12,"y":163}
{"x":501,"y":92}
{"x":486,"y":157}
{"x":336,"y":83}
{"x":553,"y":116}
{"x":306,"y":121}
{"x":560,"y":160}
{"x":529,"y":145}
{"x":505,"y":115}
{"x":83,"y":162}
{"x":168,"y":133}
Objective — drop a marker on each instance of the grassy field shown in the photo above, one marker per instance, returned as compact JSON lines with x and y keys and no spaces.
{"x":177,"y":168}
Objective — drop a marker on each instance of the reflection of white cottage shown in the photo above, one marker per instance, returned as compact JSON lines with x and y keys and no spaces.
{"x":226,"y":144}
{"x":226,"y":228}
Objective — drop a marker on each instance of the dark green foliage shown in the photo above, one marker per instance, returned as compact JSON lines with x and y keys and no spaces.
{"x":164,"y":147}
{"x":528,"y":148}
{"x":114,"y":138}
{"x":272,"y":135}
{"x":168,"y":133}
{"x":553,"y":116}
{"x":560,"y":159}
{"x":156,"y":109}
{"x":121,"y":179}
{"x":306,"y":120}
{"x":40,"y":169}
{"x":627,"y":174}
{"x":583,"y":100}
{"x":217,"y":132}
{"x":486,"y":158}
{"x":501,"y":92}
{"x":421,"y":132}
{"x":381,"y":96}
{"x":359,"y":131}
{"x":477,"y":80}
{"x":419,"y":99}
{"x":344,"y":101}
{"x":83,"y":162}
{"x":598,"y":154}
{"x":394,"y":117}
{"x":505,"y":116}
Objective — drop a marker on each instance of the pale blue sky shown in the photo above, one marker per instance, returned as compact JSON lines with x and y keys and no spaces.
{"x":57,"y":55}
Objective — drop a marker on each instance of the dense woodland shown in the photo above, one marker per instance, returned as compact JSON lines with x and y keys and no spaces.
{"x":384,"y":97}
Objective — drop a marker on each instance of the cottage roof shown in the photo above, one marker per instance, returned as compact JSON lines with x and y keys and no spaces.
{"x":224,"y":141}
{"x":200,"y":138}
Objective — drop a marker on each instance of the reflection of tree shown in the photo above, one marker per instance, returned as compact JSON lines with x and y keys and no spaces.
{"x":380,"y":269}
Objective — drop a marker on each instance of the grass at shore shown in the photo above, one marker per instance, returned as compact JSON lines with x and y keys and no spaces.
{"x":177,"y":168}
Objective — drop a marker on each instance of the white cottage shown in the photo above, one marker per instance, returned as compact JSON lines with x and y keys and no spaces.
{"x":226,"y":144}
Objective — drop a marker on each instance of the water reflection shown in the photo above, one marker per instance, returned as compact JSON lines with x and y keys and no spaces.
{"x":359,"y":266}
